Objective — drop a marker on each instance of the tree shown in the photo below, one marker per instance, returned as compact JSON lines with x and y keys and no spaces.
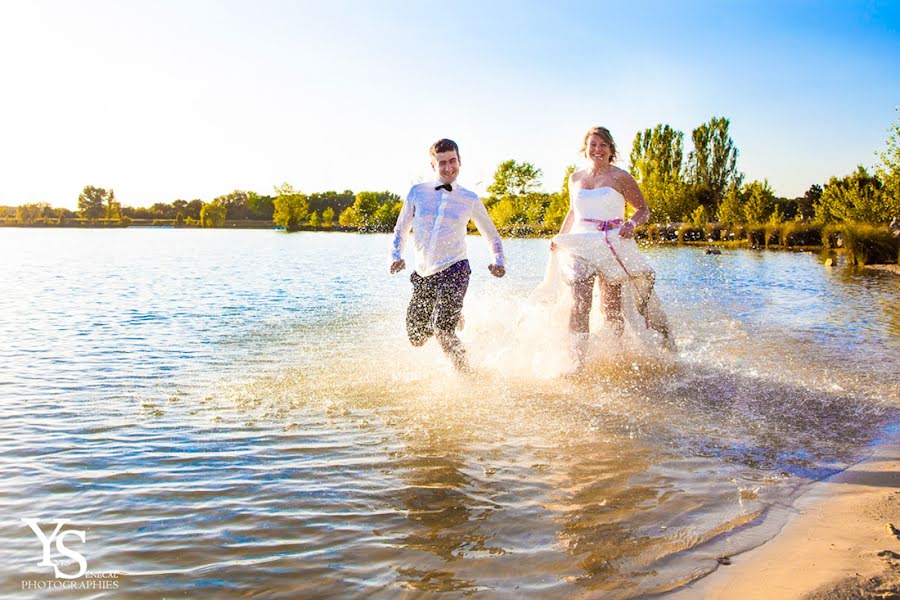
{"x":513,"y":179}
{"x":559,"y":203}
{"x":212,"y":215}
{"x":328,"y":217}
{"x":698,"y":217}
{"x":657,"y":152}
{"x":731,"y":210}
{"x":92,"y":202}
{"x":348,"y":218}
{"x":365,"y":207}
{"x":193,"y":209}
{"x":291,"y":207}
{"x":504,"y":214}
{"x":656,"y":162}
{"x":712,"y":164}
{"x":856,"y":197}
{"x":338,"y":202}
{"x":370,"y":211}
{"x":314,"y":219}
{"x":113,"y":208}
{"x":758,"y":201}
{"x":386,"y":216}
{"x":27,"y":214}
{"x":889,"y":172}
{"x":808,"y":201}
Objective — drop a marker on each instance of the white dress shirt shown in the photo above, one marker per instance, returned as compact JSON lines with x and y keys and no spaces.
{"x":439,"y":219}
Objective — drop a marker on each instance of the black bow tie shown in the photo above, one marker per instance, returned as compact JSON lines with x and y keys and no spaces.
{"x":445,"y":186}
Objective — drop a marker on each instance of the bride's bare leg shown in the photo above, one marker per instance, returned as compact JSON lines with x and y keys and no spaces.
{"x":579,"y":320}
{"x":582,"y":296}
{"x":611,"y":296}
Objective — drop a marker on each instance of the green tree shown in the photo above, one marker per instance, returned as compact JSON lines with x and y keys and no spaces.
{"x":113,"y":208}
{"x":731,"y":209}
{"x":314,"y":219}
{"x":291,"y":207}
{"x":856,"y":197}
{"x":92,"y":202}
{"x":559,"y":203}
{"x":337,"y":201}
{"x":513,"y":179}
{"x":348,"y":218}
{"x":504,"y":214}
{"x":238,"y":204}
{"x":809,"y":199}
{"x":698,"y":217}
{"x":365,"y":207}
{"x":212,"y":215}
{"x":27,"y":214}
{"x":712,"y":164}
{"x":193,"y":209}
{"x":759,"y":201}
{"x":328,"y":217}
{"x":386,"y":216}
{"x":535,"y":206}
{"x":656,"y":162}
{"x":261,"y":208}
{"x":889,"y":173}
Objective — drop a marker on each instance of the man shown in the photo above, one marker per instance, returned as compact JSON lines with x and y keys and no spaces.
{"x":438,"y":213}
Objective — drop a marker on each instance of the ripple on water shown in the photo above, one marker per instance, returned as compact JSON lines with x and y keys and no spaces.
{"x":219,"y":430}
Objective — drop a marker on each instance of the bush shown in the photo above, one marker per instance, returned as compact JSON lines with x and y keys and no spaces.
{"x":669,"y":233}
{"x":869,"y":244}
{"x":714,"y":232}
{"x":831,"y":235}
{"x":690,"y":233}
{"x":801,"y":234}
{"x":756,"y":235}
{"x":773,"y":234}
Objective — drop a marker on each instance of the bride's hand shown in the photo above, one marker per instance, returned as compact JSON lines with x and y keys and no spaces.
{"x":627,"y":229}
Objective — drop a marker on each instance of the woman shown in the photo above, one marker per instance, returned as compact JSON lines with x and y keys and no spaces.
{"x":596,"y":242}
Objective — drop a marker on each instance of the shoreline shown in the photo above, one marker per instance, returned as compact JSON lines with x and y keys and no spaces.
{"x":837,"y":543}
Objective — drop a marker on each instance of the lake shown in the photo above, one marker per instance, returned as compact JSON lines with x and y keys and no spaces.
{"x":239,"y":414}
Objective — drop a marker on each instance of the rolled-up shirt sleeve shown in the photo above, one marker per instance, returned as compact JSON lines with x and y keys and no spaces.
{"x":403,"y":226}
{"x":488,"y":231}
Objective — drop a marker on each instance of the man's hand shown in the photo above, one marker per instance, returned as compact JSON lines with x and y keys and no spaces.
{"x":397,"y":266}
{"x":497,"y":270}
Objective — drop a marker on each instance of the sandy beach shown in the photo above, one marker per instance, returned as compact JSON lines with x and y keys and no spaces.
{"x":840,"y":543}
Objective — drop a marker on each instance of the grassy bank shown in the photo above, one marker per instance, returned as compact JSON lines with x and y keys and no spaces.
{"x":862,"y":243}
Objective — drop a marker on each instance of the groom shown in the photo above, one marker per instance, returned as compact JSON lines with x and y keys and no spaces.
{"x":438,"y":213}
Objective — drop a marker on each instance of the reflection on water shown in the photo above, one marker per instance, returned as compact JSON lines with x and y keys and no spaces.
{"x":229,"y":413}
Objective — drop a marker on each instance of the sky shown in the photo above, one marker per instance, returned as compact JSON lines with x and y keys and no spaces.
{"x":190,"y":99}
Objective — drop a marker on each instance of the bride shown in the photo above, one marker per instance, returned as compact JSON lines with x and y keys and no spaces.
{"x":596,"y":242}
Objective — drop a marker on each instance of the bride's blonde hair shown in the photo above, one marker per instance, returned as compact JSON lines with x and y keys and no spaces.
{"x":604,"y":133}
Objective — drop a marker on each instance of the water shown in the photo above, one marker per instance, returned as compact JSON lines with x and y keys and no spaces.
{"x":238,"y":413}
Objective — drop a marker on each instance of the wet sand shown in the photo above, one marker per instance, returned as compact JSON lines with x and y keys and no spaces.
{"x":839,"y":543}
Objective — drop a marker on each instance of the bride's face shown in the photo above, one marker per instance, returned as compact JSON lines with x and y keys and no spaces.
{"x":598,"y":150}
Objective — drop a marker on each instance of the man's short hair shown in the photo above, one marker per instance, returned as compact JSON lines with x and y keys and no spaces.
{"x":443,"y":145}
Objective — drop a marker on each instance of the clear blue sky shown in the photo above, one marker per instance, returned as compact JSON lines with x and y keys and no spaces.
{"x":192,"y":99}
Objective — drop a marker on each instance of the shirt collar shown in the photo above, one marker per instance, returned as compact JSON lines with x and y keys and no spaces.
{"x":454,"y":186}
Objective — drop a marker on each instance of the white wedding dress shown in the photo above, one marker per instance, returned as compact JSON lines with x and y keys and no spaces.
{"x":593,"y":246}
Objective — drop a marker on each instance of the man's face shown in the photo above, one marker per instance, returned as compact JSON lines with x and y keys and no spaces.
{"x":446,"y":165}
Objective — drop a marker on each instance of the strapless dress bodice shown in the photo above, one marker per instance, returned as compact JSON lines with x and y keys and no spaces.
{"x":603,"y":204}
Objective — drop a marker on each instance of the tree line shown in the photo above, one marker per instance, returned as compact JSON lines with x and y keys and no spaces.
{"x":702,"y":186}
{"x":287,"y":207}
